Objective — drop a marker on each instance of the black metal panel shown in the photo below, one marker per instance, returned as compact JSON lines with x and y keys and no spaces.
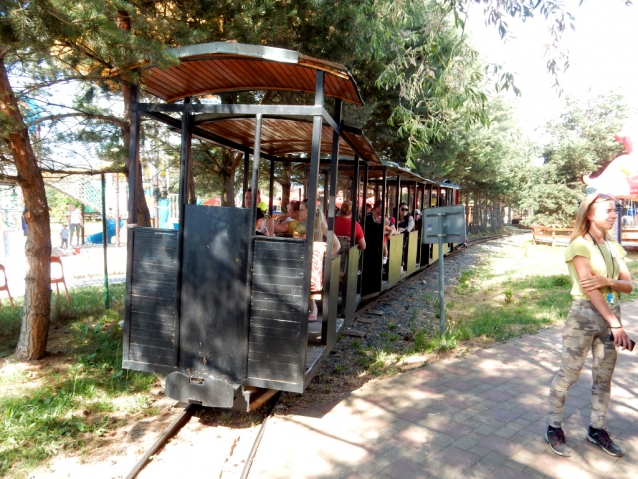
{"x":151,"y":316}
{"x":213,"y":305}
{"x":372,"y":260}
{"x":278,"y":312}
{"x":329,"y":326}
{"x":208,"y":392}
{"x":352,"y":294}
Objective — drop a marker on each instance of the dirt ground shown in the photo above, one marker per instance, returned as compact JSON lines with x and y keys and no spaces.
{"x":216,"y":442}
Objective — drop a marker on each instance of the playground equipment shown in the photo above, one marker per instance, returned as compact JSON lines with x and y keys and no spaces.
{"x":98,"y":238}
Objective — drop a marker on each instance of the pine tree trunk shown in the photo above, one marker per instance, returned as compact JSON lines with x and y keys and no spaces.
{"x":228,"y":169}
{"x":123,"y":21}
{"x":286,"y":184}
{"x":37,"y":298}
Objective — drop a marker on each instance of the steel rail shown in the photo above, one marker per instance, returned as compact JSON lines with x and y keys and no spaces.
{"x":168,"y":433}
{"x":253,"y":450}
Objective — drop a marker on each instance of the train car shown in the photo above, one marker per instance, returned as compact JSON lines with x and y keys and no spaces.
{"x":222,"y":311}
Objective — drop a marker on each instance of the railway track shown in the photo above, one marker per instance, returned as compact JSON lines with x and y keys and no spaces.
{"x":190,"y":410}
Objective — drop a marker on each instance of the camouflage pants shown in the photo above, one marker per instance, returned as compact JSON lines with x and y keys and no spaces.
{"x":585,"y":329}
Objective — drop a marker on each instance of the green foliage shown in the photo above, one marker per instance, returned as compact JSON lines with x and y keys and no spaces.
{"x":581,"y":142}
{"x":58,"y":204}
{"x":10,"y":320}
{"x":61,"y":415}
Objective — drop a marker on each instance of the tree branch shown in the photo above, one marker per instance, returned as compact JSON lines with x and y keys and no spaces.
{"x":37,"y":86}
{"x":108,"y":169}
{"x":90,"y":116}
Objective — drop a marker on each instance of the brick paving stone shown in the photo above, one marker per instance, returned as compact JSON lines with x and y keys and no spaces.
{"x":501,"y":445}
{"x":451,"y":428}
{"x":508,"y":430}
{"x":460,"y":384}
{"x":501,"y":414}
{"x":523,"y":458}
{"x":506,"y":472}
{"x":413,"y":436}
{"x":494,"y":459}
{"x":538,"y":427}
{"x":533,"y":416}
{"x":411,"y":414}
{"x":463,"y":402}
{"x":576,"y":401}
{"x":523,"y":437}
{"x":443,"y":440}
{"x":457,"y":457}
{"x":485,"y":429}
{"x":497,"y":396}
{"x":479,"y":451}
{"x":464,"y":416}
{"x":425,"y":374}
{"x":468,"y":441}
{"x":458,"y":369}
{"x":407,"y":469}
{"x":537,"y":445}
{"x":495,"y":380}
{"x":447,"y":472}
{"x":521,"y":421}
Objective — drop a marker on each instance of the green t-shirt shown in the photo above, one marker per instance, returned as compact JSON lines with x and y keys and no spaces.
{"x":601,"y":265}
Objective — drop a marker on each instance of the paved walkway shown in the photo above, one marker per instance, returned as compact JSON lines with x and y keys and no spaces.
{"x":482,"y":416}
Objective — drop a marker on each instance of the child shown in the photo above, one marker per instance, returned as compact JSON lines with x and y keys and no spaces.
{"x":260,"y":227}
{"x":64,"y":237}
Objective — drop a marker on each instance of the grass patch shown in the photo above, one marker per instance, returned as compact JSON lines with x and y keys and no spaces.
{"x":516,"y":290}
{"x":71,"y":405}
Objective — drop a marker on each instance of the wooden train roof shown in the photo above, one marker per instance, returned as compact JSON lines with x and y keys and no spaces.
{"x":282,"y":136}
{"x":218,"y":67}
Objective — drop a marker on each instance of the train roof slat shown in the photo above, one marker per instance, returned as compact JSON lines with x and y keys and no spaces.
{"x":218,"y":67}
{"x":281,"y":136}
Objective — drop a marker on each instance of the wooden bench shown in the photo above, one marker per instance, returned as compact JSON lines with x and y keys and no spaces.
{"x":551,"y":235}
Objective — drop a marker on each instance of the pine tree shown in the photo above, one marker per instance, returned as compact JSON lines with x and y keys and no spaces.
{"x":45,"y":43}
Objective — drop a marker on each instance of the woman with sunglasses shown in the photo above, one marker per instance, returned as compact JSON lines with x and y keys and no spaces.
{"x":598,"y":273}
{"x":404,"y":226}
{"x":406,"y":220}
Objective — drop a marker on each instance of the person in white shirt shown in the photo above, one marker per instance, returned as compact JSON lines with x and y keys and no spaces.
{"x":76,"y":223}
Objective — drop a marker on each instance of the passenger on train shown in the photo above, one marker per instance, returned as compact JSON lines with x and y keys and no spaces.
{"x":406,"y":220}
{"x":320,"y":227}
{"x":388,"y":230}
{"x":320,"y":232}
{"x":248,"y":197}
{"x":286,"y":225}
{"x":260,"y":226}
{"x":266,"y":225}
{"x":405,"y":226}
{"x":343,"y":225}
{"x":417,"y":220}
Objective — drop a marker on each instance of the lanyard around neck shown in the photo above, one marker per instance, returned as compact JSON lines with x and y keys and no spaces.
{"x":613,"y":266}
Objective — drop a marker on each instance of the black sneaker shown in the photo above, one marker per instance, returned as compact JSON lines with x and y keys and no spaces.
{"x":556,"y":439}
{"x":601,"y":437}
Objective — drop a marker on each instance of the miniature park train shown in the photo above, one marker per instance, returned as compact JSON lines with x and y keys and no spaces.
{"x":222,"y":312}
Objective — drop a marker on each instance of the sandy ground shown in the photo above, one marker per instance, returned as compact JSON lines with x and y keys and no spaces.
{"x":81,"y":266}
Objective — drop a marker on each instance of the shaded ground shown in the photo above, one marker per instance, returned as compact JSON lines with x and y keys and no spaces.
{"x":391,"y":321}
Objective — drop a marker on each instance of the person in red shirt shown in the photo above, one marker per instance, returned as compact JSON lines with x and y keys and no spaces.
{"x":343,"y":225}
